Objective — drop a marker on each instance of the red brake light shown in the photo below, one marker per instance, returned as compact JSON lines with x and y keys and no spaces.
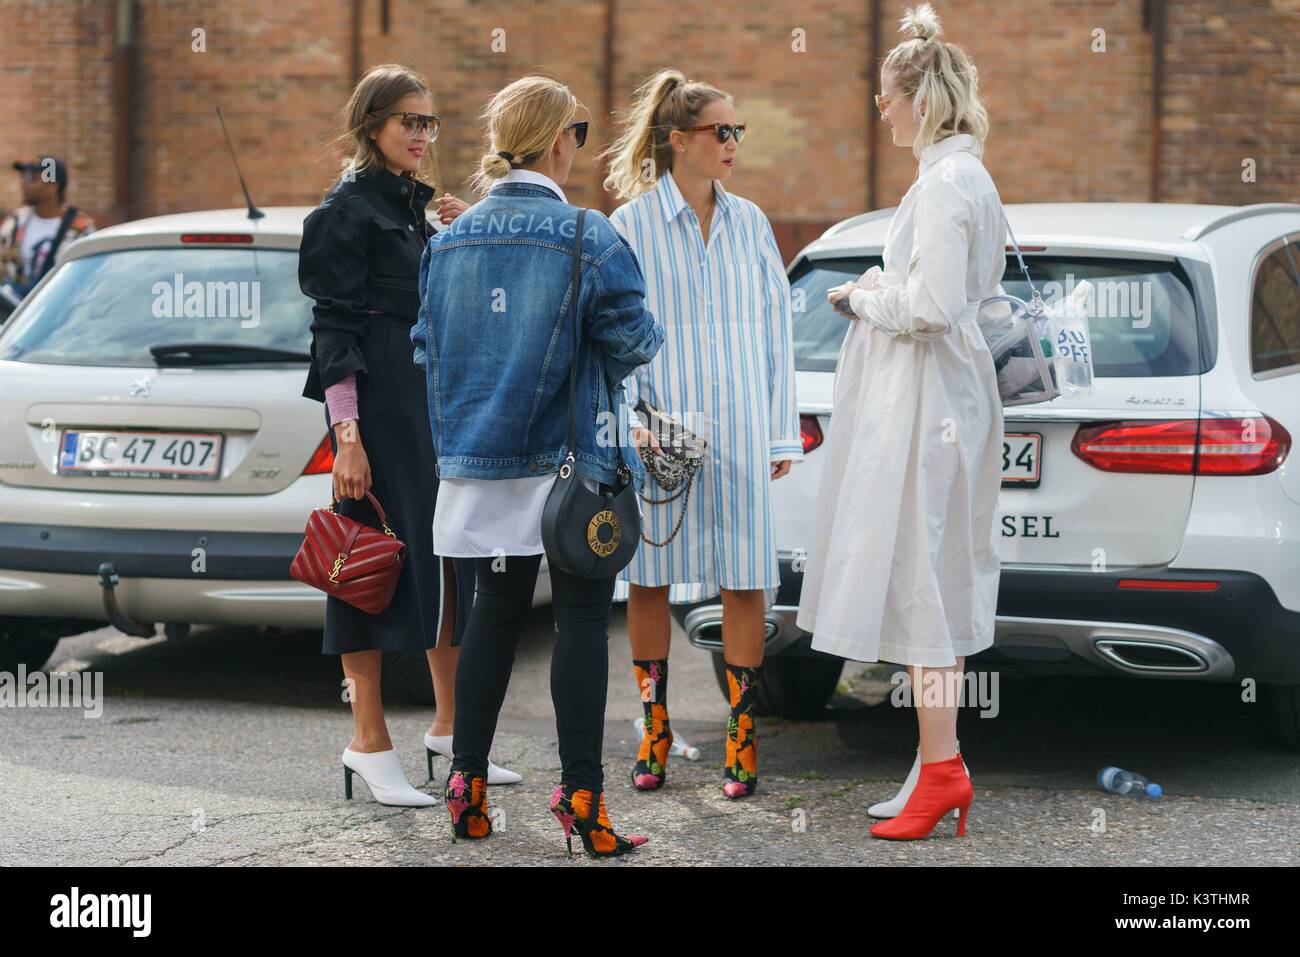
{"x":216,"y":238}
{"x":322,"y":460}
{"x":1208,"y":446}
{"x":1166,"y":584}
{"x":810,"y":431}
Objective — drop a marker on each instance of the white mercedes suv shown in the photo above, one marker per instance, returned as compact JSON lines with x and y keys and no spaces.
{"x":1150,"y":528}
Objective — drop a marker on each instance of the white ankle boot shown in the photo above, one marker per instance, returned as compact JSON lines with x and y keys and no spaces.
{"x":894,"y":807}
{"x":383,"y":774}
{"x":442,"y":745}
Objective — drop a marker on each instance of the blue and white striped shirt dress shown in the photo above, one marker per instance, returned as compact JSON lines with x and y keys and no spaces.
{"x":726,"y":372}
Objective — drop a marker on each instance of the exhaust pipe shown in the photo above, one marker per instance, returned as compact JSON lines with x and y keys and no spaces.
{"x":1150,"y":656}
{"x":108,"y":583}
{"x":704,"y":628}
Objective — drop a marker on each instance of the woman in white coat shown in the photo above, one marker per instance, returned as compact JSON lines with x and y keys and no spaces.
{"x":903,"y":565}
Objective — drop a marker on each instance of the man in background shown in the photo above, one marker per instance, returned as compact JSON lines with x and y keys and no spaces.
{"x":32,"y":236}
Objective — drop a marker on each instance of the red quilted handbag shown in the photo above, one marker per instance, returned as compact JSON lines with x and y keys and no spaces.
{"x":351,"y":561}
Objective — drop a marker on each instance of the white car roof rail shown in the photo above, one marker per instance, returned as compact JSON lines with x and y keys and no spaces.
{"x":1243,"y":212}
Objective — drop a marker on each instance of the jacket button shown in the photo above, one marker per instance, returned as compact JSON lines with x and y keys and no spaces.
{"x":410,"y":227}
{"x":532,"y":466}
{"x":403,"y":190}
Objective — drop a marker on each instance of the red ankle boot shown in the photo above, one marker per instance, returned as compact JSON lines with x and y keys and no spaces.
{"x":942,"y":786}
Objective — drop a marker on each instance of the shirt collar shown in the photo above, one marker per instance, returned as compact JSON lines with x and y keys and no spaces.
{"x":531,"y":176}
{"x":946,"y":146}
{"x":672,"y":202}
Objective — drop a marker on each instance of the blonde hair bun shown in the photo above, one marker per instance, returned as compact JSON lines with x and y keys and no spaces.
{"x":921,"y":23}
{"x":494,"y":166}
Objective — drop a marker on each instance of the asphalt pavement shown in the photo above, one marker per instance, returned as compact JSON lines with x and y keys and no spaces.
{"x":223,"y":748}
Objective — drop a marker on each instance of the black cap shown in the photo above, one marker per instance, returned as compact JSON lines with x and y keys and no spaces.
{"x":45,"y":162}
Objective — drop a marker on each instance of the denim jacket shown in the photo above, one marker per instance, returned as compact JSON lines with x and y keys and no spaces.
{"x":496,"y":344}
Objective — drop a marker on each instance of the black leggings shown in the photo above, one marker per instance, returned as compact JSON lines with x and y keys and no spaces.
{"x":579,"y":664}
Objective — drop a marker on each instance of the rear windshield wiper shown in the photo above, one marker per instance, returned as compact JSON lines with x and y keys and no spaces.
{"x":220,"y":353}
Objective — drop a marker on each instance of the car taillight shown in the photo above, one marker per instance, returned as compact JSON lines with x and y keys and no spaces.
{"x":322,"y":460}
{"x":1252,"y":445}
{"x":810,"y":431}
{"x":223,"y":238}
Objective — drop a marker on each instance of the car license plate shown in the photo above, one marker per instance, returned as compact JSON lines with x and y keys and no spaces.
{"x":181,"y":455}
{"x":1021,"y":459}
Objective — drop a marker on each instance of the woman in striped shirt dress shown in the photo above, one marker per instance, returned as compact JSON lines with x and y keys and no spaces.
{"x":715,"y":278}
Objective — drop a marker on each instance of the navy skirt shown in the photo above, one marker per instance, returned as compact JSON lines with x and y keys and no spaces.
{"x":394,"y":422}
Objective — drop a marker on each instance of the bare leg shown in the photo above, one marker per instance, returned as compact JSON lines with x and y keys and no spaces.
{"x":648,"y":626}
{"x":442,"y":659}
{"x":743,"y":630}
{"x":362,"y":669}
{"x":937,"y":721}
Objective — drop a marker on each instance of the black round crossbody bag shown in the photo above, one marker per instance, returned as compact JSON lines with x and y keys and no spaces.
{"x":585,"y":533}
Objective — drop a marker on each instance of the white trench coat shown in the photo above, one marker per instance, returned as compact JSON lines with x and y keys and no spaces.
{"x":903,"y":564}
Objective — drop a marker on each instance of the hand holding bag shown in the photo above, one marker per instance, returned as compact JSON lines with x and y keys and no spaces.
{"x":350,"y":560}
{"x":585,"y":533}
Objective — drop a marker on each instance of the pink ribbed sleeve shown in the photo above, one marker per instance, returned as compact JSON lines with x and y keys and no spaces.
{"x":341,"y":398}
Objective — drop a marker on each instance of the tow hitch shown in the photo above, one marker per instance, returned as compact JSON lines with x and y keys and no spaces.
{"x":108,"y":583}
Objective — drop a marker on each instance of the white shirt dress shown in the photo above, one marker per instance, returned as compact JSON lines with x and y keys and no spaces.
{"x":903,"y":564}
{"x":726,"y":372}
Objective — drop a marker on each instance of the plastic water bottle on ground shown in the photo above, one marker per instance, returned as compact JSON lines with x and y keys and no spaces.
{"x":1118,"y":781}
{"x":679,"y":745}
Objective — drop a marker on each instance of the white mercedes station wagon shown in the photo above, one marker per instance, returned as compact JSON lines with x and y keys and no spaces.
{"x":157,"y":459}
{"x":1148,"y":529}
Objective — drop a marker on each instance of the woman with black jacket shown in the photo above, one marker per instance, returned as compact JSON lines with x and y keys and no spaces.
{"x":359,"y":262}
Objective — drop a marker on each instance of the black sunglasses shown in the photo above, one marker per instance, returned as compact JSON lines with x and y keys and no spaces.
{"x":579,"y":131}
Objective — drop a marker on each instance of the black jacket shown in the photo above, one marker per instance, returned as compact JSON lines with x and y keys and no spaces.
{"x":360,"y":255}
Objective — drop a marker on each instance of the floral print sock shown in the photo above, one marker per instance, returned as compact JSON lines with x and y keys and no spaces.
{"x":652,"y":758}
{"x":740,"y":773}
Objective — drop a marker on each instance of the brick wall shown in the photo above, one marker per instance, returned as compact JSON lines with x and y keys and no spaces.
{"x":1068,"y":123}
{"x":54,"y":94}
{"x":1232,"y":94}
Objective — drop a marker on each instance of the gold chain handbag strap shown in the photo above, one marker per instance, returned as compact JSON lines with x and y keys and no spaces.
{"x":694,"y":466}
{"x":686,"y":501}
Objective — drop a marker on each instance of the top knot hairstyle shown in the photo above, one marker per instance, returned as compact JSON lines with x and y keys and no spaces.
{"x":940,"y":74}
{"x":521,"y":123}
{"x":665,"y":102}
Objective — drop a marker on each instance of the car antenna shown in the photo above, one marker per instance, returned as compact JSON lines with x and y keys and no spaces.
{"x":253,"y":211}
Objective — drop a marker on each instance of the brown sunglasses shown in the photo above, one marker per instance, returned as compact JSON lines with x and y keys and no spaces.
{"x":723,"y":130}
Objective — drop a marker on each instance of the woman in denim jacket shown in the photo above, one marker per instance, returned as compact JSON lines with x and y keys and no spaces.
{"x":495,"y":341}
